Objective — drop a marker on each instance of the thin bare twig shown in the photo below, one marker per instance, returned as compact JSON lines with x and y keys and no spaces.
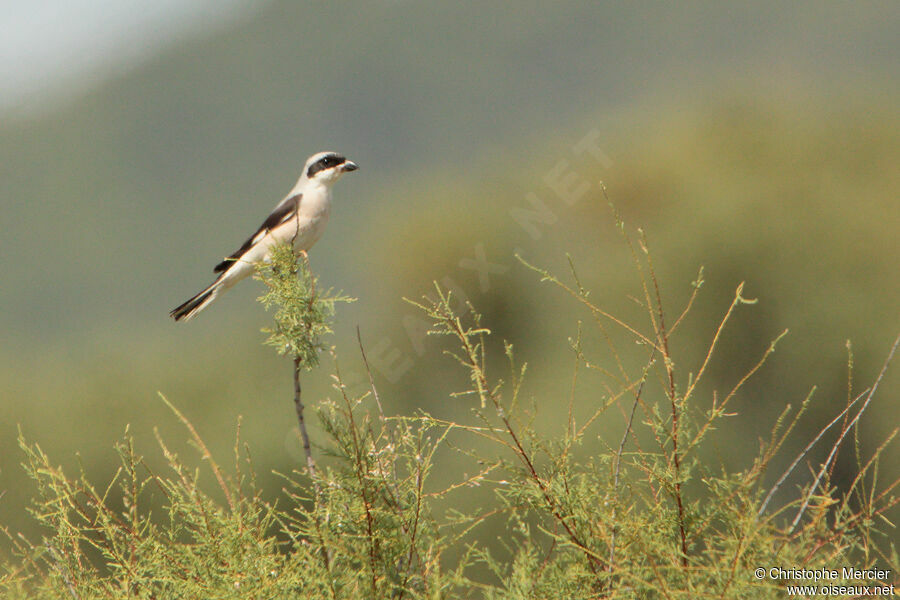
{"x":840,"y":439}
{"x":298,"y":393}
{"x":719,"y":409}
{"x":367,"y":495}
{"x":849,"y":396}
{"x":660,"y":328}
{"x":369,"y":373}
{"x":203,"y":450}
{"x":298,"y":406}
{"x":803,"y":453}
{"x":738,"y":299}
{"x":637,"y":398}
{"x":696,"y":284}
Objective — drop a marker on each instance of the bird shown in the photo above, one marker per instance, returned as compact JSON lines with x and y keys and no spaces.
{"x":299,"y":219}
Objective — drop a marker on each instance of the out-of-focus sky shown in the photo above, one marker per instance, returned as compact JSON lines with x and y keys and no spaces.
{"x":50,"y":49}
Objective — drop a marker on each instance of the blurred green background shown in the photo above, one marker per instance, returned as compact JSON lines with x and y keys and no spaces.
{"x":761,"y":141}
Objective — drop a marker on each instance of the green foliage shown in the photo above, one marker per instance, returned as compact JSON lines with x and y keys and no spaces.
{"x":740,"y":186}
{"x":648,"y":517}
{"x":302,"y":314}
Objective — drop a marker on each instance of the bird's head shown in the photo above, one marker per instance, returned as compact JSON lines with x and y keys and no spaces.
{"x":327,"y":167}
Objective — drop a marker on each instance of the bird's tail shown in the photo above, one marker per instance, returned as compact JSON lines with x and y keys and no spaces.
{"x":190,"y":308}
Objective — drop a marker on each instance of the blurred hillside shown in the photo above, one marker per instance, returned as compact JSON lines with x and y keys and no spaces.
{"x":761,"y":144}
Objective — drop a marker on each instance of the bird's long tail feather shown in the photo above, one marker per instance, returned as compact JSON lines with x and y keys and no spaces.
{"x":186,"y":311}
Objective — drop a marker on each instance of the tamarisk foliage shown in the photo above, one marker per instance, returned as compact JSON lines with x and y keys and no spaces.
{"x":301,"y":319}
{"x":302,"y":314}
{"x":649,"y":513}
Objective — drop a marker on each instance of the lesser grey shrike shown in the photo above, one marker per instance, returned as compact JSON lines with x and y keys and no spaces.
{"x":298,"y":219}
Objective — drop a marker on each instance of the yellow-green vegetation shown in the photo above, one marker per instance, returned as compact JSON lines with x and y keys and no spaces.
{"x":795,"y":196}
{"x":651,"y":512}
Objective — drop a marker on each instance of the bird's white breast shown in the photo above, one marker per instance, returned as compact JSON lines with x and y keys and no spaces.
{"x":315,"y":207}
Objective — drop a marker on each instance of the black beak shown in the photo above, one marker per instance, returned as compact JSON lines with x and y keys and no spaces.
{"x":349,"y":166}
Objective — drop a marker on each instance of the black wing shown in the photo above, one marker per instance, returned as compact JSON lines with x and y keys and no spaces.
{"x":282,"y":213}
